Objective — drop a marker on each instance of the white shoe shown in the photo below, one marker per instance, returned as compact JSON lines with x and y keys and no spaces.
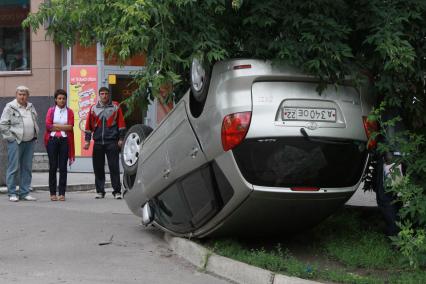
{"x":3,"y":189}
{"x":29,"y":198}
{"x":13,"y":198}
{"x":117,"y":195}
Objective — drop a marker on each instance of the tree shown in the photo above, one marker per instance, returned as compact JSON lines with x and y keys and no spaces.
{"x":383,"y":40}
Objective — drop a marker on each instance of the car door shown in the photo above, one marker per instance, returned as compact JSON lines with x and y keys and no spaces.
{"x":185,"y":154}
{"x":171,"y":152}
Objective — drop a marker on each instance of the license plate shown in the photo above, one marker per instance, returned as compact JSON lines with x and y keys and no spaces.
{"x":317,"y":114}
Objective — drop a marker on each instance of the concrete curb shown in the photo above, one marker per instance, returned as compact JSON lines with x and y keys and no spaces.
{"x":192,"y":252}
{"x":238,"y":271}
{"x":233,"y":270}
{"x":70,"y":187}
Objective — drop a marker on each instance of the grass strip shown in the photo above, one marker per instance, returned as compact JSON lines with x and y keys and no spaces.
{"x":348,"y":247}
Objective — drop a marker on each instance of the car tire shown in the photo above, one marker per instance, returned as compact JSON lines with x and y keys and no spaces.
{"x":132,"y":147}
{"x":199,"y":79}
{"x":128,"y":180}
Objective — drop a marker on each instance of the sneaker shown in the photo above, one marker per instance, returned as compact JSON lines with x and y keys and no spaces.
{"x":117,"y":195}
{"x":13,"y":198}
{"x":29,"y":198}
{"x":3,"y":189}
{"x":100,"y":195}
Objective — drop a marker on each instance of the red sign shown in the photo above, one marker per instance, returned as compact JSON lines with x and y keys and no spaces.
{"x":83,"y":86}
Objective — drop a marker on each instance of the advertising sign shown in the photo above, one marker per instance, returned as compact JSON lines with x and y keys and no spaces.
{"x":83,"y":86}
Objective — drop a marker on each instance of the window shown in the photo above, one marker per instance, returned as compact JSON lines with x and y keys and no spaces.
{"x":193,"y":200}
{"x":64,"y":79}
{"x":171,"y":210}
{"x":14,"y":40}
{"x":294,"y":161}
{"x":64,"y":53}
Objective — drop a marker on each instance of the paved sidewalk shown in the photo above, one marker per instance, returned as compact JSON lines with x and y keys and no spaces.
{"x":75,"y":182}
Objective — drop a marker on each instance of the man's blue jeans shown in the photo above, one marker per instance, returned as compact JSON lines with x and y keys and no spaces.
{"x":20,"y":160}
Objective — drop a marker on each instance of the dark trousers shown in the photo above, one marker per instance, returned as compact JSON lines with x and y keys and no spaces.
{"x":386,"y":202}
{"x":57,"y":151}
{"x":112,"y":151}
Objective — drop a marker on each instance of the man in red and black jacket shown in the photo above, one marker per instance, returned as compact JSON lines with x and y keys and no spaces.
{"x":105,"y":123}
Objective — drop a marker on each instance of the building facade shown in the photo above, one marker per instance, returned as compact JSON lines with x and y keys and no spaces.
{"x":33,"y":60}
{"x":26,"y":58}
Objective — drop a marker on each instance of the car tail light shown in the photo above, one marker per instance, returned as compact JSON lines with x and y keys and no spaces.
{"x":234,"y":129}
{"x":370,"y":126}
{"x":244,"y":66}
{"x":305,"y":188}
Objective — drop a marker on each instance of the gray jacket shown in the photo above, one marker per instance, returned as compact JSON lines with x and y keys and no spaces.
{"x":12,"y":123}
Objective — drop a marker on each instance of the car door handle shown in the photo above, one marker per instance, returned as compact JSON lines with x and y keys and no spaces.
{"x":194,"y":152}
{"x":166,"y":173}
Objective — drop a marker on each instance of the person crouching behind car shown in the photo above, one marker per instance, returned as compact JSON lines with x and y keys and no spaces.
{"x":59,"y":142}
{"x":105,"y":122}
{"x":387,"y":201}
{"x":18,"y":125}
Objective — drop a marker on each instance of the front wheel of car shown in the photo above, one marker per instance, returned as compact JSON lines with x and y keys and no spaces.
{"x":132,"y":146}
{"x":200,"y":79}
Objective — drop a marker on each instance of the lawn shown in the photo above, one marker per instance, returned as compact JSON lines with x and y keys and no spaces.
{"x":348,"y":247}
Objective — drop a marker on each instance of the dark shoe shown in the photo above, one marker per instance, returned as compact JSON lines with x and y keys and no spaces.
{"x":100,"y":195}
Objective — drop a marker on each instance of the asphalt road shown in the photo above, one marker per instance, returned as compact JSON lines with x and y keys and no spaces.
{"x":84,"y":240}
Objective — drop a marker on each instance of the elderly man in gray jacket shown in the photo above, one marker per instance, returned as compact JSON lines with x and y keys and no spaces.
{"x":18,"y":126}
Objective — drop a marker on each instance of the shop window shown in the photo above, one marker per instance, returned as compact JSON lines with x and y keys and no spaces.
{"x":137,"y":60}
{"x":82,"y":55}
{"x":14,"y":40}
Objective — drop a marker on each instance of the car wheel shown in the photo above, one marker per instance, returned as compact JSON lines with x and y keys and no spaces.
{"x":200,"y":80}
{"x":128,"y":180}
{"x":132,"y":147}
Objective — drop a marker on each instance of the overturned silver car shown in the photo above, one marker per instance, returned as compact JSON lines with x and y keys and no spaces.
{"x":251,"y":149}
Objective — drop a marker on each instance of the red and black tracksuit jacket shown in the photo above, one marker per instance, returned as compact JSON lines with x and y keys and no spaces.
{"x":105,"y":123}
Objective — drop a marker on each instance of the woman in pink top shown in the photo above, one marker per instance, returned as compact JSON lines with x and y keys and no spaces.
{"x":59,"y":142}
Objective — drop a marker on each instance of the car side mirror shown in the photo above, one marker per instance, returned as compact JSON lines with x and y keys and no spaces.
{"x":147,"y":214}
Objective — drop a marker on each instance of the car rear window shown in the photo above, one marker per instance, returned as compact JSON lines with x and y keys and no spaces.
{"x":297,"y":161}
